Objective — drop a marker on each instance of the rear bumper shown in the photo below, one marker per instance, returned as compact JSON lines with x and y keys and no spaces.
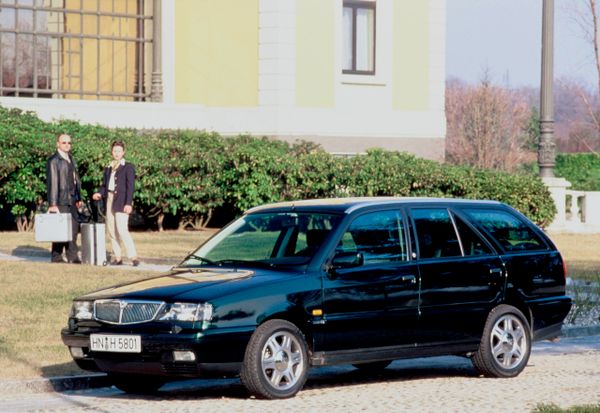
{"x":548,"y":315}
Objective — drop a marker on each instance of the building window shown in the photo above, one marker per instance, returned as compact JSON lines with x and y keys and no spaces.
{"x":358,"y":37}
{"x":76,"y":49}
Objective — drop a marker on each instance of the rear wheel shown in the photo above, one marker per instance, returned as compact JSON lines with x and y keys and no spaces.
{"x":135,"y":384}
{"x":505,"y":345}
{"x":276,"y":361}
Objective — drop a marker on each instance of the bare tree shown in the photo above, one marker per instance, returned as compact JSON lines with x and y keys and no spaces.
{"x":585,"y":15}
{"x":486,"y":126}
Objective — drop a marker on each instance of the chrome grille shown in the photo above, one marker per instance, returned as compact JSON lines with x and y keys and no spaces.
{"x":126,"y":311}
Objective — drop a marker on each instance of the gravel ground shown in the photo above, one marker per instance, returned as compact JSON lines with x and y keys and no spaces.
{"x":566,"y":373}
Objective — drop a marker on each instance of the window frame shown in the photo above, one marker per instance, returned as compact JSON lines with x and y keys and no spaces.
{"x":355,"y":5}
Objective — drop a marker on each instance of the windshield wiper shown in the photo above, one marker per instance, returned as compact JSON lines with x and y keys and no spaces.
{"x":244,"y":262}
{"x":199,"y":258}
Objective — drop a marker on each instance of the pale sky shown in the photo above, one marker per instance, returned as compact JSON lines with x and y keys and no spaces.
{"x":504,"y":37}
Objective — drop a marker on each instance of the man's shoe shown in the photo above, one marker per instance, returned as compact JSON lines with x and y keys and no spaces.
{"x":75,"y":261}
{"x":135,"y":262}
{"x":116,"y":262}
{"x":57,"y":261}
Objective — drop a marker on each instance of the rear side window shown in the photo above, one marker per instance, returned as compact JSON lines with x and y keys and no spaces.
{"x":435,"y":233}
{"x":511,"y":232}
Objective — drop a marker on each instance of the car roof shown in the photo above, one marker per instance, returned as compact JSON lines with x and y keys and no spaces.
{"x":348,"y":205}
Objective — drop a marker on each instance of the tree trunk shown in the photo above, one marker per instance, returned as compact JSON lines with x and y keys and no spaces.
{"x":159,"y":221}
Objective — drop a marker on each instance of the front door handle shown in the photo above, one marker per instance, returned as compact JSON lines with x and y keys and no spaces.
{"x":495,"y":271}
{"x":409,"y":278}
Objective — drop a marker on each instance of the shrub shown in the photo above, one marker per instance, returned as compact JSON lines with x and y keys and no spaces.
{"x":191,"y":174}
{"x":581,"y":169}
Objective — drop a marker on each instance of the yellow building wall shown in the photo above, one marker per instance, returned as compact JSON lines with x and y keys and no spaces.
{"x":411,"y":55}
{"x":107,"y":66}
{"x":216,"y":52}
{"x":315,"y":53}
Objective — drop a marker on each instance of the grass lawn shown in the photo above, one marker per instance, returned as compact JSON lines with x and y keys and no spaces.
{"x":35,"y":298}
{"x":166,"y":245}
{"x":34,"y":305}
{"x":582,"y":254}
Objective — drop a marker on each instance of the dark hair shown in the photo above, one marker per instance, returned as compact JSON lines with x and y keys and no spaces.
{"x":117,"y":143}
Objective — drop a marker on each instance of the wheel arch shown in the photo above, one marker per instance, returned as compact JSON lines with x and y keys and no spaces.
{"x":297,"y":318}
{"x":523,"y":308}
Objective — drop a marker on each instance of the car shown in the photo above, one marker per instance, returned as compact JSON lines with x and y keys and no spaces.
{"x":361,"y":281}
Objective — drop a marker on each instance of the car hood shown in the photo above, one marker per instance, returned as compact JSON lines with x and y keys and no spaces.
{"x":196,"y":284}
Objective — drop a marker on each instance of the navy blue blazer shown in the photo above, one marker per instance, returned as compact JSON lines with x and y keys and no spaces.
{"x":124,"y":186}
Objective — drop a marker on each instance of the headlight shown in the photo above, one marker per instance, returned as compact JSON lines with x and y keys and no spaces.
{"x":82,"y":310}
{"x":188,"y":312}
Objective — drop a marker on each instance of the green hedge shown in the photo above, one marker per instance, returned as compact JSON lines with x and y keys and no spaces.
{"x":581,"y":169}
{"x":192,"y":175}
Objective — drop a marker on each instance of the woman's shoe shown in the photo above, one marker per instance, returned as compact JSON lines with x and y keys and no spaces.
{"x":116,"y":262}
{"x":135,"y":262}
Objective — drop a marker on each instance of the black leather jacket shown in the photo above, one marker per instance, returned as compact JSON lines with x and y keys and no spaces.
{"x":62,"y":181}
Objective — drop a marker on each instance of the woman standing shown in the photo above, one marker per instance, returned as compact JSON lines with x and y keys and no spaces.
{"x":117,"y":190}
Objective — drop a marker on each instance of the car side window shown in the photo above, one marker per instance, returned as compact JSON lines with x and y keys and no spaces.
{"x":472,"y":243}
{"x":379,"y":236}
{"x":436,"y":236}
{"x":512,"y":233}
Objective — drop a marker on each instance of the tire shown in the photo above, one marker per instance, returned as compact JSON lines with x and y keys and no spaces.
{"x":276,"y":361}
{"x":505,"y":345}
{"x":134,"y":384}
{"x":373,"y":366}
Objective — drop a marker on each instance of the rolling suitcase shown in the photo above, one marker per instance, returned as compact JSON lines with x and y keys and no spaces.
{"x":93,"y":243}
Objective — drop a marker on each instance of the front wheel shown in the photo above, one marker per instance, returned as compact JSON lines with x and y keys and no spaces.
{"x":276,"y":361}
{"x":505,"y":345}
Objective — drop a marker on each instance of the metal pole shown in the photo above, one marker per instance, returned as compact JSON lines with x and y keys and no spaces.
{"x":547,"y":147}
{"x":157,"y":85}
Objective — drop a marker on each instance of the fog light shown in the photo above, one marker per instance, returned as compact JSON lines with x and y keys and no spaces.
{"x":184,"y":356}
{"x":77,"y":352}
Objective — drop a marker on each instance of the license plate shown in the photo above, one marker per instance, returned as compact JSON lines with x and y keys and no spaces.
{"x":116,"y":343}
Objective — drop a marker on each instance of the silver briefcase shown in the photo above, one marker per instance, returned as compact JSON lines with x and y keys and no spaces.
{"x":53,"y":228}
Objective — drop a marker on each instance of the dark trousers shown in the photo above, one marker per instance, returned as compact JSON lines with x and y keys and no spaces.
{"x":70,"y":247}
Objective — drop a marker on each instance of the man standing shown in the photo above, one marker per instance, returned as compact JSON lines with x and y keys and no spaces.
{"x":64,"y":194}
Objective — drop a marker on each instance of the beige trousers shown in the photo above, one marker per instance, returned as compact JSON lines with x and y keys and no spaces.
{"x":117,"y":226}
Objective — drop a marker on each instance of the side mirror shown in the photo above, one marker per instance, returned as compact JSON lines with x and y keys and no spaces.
{"x":347,"y":260}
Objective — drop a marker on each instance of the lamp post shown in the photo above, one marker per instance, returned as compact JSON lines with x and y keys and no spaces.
{"x":547,"y":147}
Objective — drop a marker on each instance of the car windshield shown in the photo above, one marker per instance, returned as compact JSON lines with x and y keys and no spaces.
{"x":266,"y":239}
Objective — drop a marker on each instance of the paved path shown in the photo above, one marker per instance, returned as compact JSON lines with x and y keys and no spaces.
{"x":565,"y":373}
{"x":43,"y":258}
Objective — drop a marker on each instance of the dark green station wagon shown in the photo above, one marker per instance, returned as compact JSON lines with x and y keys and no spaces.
{"x":359,"y":281}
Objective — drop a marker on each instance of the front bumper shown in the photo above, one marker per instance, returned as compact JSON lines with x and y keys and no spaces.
{"x":216,"y":354}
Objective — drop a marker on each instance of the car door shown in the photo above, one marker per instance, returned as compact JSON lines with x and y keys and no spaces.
{"x":462,"y":278}
{"x":534,"y":267}
{"x":373,"y":304}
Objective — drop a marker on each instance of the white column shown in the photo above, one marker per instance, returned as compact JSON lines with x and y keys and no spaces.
{"x":558,"y":191}
{"x":591,"y":209}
